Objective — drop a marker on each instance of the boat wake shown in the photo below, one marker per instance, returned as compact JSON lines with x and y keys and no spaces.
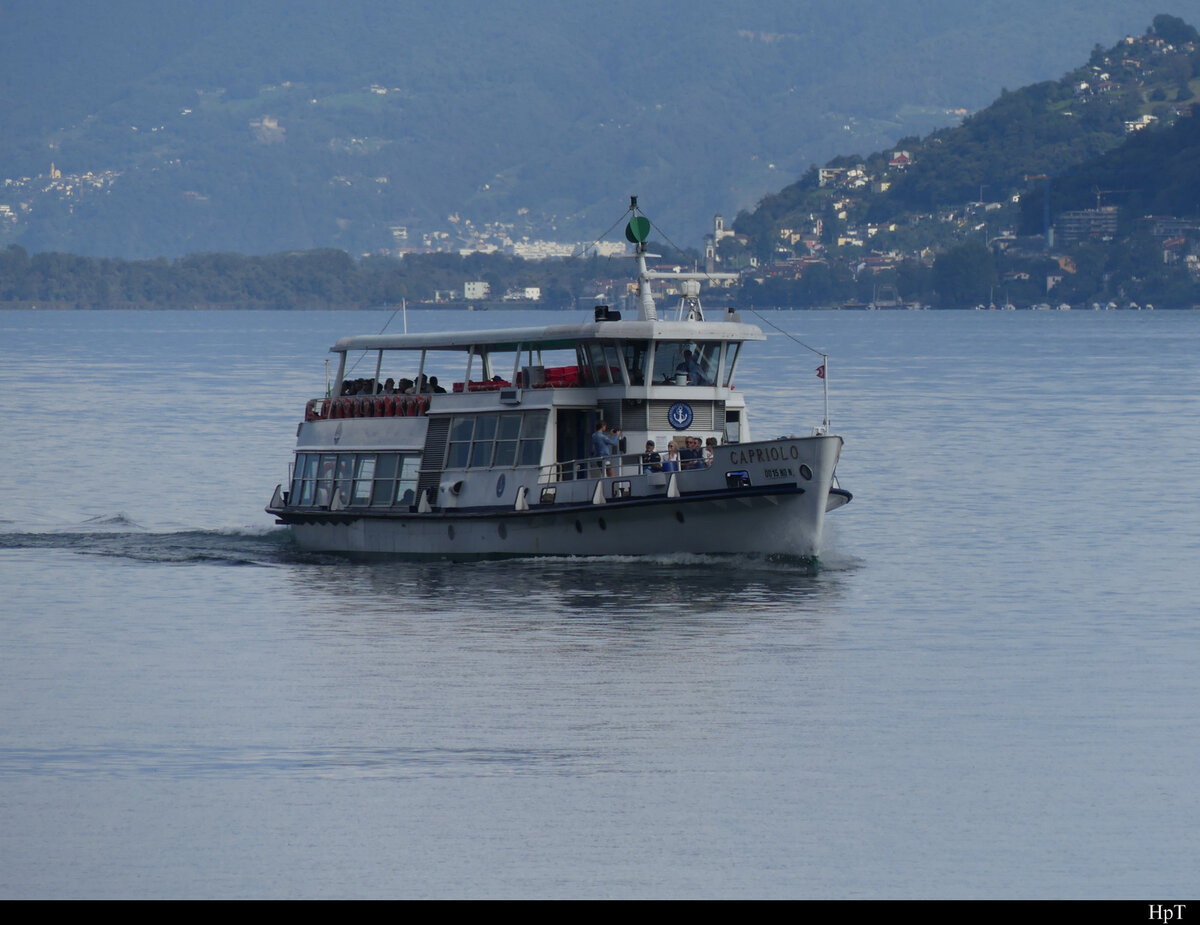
{"x":117,"y":520}
{"x":185,"y":547}
{"x":119,"y":537}
{"x":190,"y":762}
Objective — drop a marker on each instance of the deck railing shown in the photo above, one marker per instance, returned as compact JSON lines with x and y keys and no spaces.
{"x":615,"y":466}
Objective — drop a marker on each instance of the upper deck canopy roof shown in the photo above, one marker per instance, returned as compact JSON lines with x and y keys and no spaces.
{"x":555,"y":336}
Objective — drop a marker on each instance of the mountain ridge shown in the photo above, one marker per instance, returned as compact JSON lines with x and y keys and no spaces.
{"x":199,"y":120}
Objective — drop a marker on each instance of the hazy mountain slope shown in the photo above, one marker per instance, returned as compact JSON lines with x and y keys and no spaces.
{"x":1057,"y":129}
{"x":270,"y":125}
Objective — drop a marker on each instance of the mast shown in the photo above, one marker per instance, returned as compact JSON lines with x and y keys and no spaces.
{"x":636,"y":233}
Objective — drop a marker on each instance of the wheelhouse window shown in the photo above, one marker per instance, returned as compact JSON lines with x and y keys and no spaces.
{"x":696,"y":362}
{"x":600,"y":363}
{"x":635,"y":354}
{"x":731,"y":355}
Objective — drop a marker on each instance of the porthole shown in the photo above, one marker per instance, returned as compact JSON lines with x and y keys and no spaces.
{"x":679,"y":516}
{"x":502,"y":529}
{"x":805,"y":473}
{"x":603,"y":525}
{"x":579,"y":526}
{"x":450,"y":531}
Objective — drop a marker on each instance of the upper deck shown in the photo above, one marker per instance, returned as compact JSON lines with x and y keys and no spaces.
{"x":557,"y":336}
{"x":634,"y":356}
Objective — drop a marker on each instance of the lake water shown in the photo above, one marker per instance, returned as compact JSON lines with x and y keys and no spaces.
{"x":987,"y":687}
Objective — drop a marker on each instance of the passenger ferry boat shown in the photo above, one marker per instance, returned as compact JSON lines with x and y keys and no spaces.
{"x":502,"y":463}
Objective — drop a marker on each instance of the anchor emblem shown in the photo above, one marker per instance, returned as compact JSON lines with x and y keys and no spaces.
{"x":680,"y":415}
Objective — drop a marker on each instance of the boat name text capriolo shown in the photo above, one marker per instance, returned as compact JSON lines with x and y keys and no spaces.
{"x":763,"y":454}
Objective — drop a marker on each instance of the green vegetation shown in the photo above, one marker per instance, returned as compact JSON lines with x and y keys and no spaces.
{"x":316,"y":279}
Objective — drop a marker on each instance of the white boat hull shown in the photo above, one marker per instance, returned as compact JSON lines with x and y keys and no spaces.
{"x":782,"y":518}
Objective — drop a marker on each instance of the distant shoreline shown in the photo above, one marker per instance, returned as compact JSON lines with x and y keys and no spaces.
{"x":67,"y":306}
{"x":49,"y":306}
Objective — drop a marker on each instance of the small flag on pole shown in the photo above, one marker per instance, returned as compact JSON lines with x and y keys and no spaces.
{"x":821,"y":371}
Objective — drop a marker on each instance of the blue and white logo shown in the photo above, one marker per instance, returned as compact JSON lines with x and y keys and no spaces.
{"x":680,"y":415}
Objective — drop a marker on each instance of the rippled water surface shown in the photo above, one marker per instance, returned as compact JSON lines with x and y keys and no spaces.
{"x":987,"y":686}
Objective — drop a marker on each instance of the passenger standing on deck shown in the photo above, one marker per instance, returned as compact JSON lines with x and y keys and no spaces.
{"x":603,"y":446}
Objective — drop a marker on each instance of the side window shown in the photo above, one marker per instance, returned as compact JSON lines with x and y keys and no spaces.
{"x":384,"y":490}
{"x":310,"y":478}
{"x":733,"y":427}
{"x":345,"y":466}
{"x":533,"y":434}
{"x":459,"y":450}
{"x":364,"y":475}
{"x":298,"y":478}
{"x":406,"y":483}
{"x":496,"y":440}
{"x":507,"y":435}
{"x":362,"y":480}
{"x":484,"y":441}
{"x":325,"y":479}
